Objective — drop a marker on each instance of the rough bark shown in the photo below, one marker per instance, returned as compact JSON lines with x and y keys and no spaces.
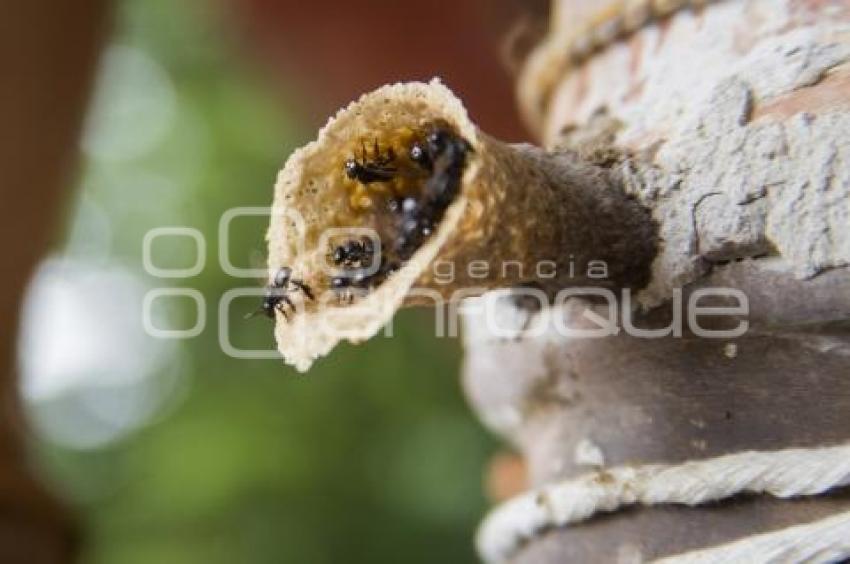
{"x":734,"y":121}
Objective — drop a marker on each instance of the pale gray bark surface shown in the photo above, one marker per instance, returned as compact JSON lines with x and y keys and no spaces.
{"x":736,"y":120}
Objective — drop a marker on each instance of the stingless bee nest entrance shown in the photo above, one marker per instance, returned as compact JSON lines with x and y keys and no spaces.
{"x":401,"y":180}
{"x":353,"y":207}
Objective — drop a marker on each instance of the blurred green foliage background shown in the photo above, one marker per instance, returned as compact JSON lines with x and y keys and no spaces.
{"x":371,"y":457}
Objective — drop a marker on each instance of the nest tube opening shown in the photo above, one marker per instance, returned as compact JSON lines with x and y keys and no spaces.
{"x":402,"y":190}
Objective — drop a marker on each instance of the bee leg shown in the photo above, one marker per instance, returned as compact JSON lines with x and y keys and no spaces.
{"x":345,"y":297}
{"x":280,"y":306}
{"x":304,"y":288}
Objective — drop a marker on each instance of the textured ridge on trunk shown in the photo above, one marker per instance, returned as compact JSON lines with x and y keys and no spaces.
{"x":735,"y":118}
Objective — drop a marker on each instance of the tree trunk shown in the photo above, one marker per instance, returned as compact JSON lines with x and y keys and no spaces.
{"x":48,"y":53}
{"x":732,"y":118}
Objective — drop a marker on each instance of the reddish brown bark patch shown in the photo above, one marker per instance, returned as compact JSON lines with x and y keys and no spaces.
{"x":830,"y":94}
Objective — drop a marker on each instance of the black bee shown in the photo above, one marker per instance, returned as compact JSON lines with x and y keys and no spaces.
{"x":354,"y":253}
{"x":349,"y":283}
{"x":419,"y":154}
{"x":379,"y":169}
{"x":347,"y":286}
{"x":443,"y":154}
{"x":440,"y":156}
{"x":440,"y":143}
{"x":415,"y":228}
{"x":402,"y":205}
{"x":276,"y":294}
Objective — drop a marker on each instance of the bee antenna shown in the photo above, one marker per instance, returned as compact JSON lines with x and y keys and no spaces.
{"x":253,"y":314}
